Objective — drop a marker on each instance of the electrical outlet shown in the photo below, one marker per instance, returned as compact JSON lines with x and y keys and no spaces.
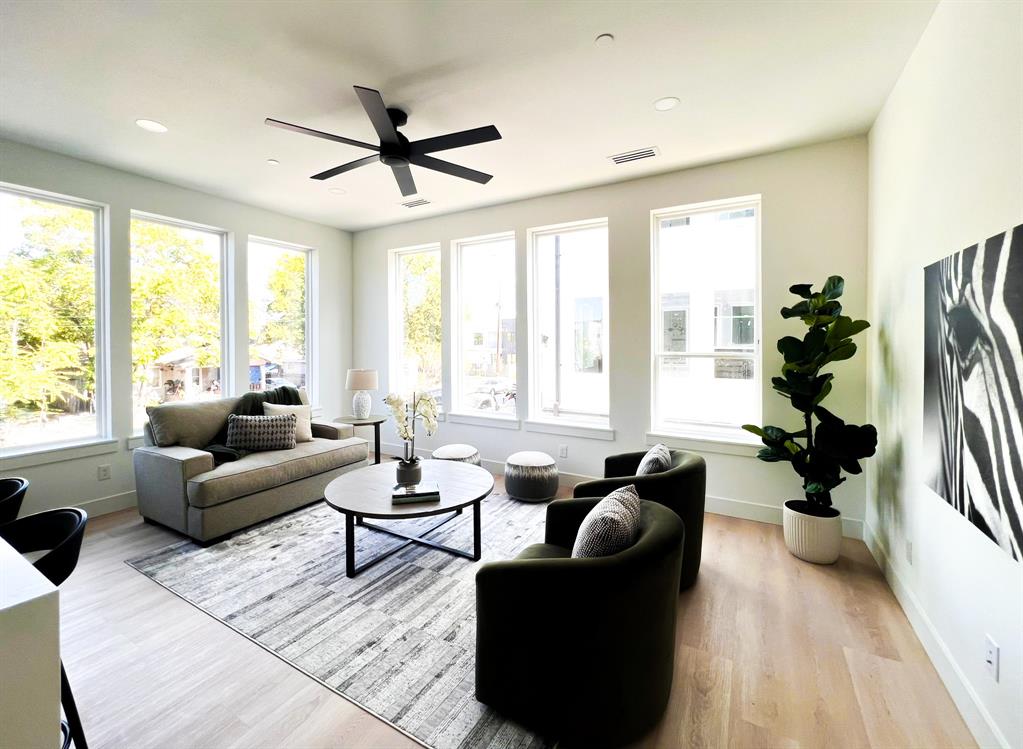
{"x":103,"y":472}
{"x":909,"y":551}
{"x":562,"y":451}
{"x":991,"y":656}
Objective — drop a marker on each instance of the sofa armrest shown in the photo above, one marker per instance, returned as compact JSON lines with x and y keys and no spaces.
{"x":624,"y":464}
{"x":564,"y":516}
{"x":330,"y":431}
{"x":161,"y":475}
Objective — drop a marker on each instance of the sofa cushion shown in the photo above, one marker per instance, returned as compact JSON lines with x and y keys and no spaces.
{"x":264,"y":470}
{"x":610,"y":527}
{"x":304,"y":414}
{"x":261,"y":432}
{"x":656,"y":460}
{"x":193,"y":424}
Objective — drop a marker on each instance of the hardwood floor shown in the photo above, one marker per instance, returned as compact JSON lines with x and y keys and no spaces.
{"x":772,"y":652}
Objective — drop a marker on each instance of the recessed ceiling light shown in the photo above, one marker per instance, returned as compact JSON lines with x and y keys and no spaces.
{"x":152,"y":126}
{"x":668,"y":102}
{"x":337,"y":191}
{"x":273,"y":162}
{"x":604,"y":40}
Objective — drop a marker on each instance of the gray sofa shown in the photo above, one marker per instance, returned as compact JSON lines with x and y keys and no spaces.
{"x":178,"y":485}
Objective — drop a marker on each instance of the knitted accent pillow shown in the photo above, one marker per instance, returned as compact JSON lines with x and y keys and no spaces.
{"x":261,"y":432}
{"x":611,"y":526}
{"x":656,"y":460}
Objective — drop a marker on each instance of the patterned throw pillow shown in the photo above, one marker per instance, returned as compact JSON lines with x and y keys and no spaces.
{"x":610,"y":527}
{"x":261,"y":432}
{"x":304,"y":425}
{"x":656,"y":460}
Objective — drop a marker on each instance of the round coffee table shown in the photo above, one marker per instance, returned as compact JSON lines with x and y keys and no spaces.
{"x":366,"y":493}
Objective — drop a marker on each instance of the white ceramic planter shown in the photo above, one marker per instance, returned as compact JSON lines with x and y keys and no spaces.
{"x":811,"y":538}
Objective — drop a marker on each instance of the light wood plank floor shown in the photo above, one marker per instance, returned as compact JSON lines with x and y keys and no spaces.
{"x":772,"y":652}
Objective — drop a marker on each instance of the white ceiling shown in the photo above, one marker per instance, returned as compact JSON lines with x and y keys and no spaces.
{"x":752,"y":77}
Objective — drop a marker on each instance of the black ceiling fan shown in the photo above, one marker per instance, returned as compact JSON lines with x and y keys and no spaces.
{"x":395,"y":150}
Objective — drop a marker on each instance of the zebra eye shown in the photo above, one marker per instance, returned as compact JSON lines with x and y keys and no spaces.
{"x":967,"y":335}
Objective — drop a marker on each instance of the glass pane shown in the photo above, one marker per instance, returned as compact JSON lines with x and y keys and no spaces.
{"x":277,"y":316}
{"x":419,"y":340}
{"x":486,"y":304}
{"x":47,"y":321}
{"x":706,"y":390}
{"x":572,"y":332}
{"x":706,"y":291}
{"x":175,"y":315}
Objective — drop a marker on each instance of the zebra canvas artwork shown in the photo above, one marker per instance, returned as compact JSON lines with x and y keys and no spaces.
{"x":973,"y":375}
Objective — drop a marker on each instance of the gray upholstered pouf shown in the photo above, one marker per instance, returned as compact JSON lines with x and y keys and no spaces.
{"x":459,"y":453}
{"x":531,"y":476}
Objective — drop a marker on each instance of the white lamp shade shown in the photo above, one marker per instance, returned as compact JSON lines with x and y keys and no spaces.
{"x":361,"y":379}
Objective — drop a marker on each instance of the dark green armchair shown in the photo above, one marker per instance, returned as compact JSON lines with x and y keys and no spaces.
{"x":683,"y":488}
{"x":581,"y":650}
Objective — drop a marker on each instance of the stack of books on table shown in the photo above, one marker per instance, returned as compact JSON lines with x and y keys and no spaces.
{"x":426,"y":491}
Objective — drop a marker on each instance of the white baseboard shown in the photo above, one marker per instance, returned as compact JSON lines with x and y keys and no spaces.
{"x":741,"y":508}
{"x":106,"y":505}
{"x":975,"y":714}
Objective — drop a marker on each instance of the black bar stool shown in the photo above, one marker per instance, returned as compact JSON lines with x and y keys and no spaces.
{"x":12,"y":492}
{"x":59,"y":533}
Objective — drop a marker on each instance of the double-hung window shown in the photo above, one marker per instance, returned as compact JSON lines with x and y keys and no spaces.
{"x":706,"y":341}
{"x":53,"y":354}
{"x":569,"y":323}
{"x":415,"y":320}
{"x":178,"y":340}
{"x":483,"y":348}
{"x":279,"y":319}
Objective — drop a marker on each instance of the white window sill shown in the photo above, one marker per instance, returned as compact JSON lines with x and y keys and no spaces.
{"x":494,"y":421}
{"x":722,"y":442}
{"x":136,"y":440}
{"x":571,"y":429}
{"x":14,"y":458}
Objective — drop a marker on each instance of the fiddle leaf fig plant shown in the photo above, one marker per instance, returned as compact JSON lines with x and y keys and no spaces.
{"x":825,"y":446}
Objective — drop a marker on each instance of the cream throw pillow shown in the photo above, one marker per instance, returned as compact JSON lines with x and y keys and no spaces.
{"x":304,"y":415}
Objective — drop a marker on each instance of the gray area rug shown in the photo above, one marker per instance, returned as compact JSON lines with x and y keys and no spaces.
{"x":397,"y":639}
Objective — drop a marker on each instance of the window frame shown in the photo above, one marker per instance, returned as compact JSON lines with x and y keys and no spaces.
{"x":395,"y":318}
{"x":101,"y":294}
{"x":227,"y":278}
{"x":456,"y":407}
{"x":693,"y":430}
{"x":536,"y":417}
{"x":311,"y":358}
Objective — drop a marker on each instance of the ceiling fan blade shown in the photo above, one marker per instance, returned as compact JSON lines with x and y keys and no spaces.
{"x":373,"y":103}
{"x":347,"y":167}
{"x":318,"y":134}
{"x":403,"y":176}
{"x":455,"y":140}
{"x":455,"y":170}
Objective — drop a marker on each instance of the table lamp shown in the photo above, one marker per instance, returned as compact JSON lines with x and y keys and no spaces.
{"x":361,"y":380}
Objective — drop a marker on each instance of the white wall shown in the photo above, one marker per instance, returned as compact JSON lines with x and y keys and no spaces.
{"x":813,"y":225}
{"x":74,"y":482}
{"x":946,"y":171}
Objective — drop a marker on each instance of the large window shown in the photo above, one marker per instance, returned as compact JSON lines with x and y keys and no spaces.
{"x":570,"y":331}
{"x":278,"y":315}
{"x":483,"y":351}
{"x":706,"y":340}
{"x":51,"y":335}
{"x":177,"y":341}
{"x":416,"y":321}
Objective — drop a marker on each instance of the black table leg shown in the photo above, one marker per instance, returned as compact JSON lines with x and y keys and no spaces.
{"x":376,"y":442}
{"x":477,"y":548}
{"x":349,"y":544}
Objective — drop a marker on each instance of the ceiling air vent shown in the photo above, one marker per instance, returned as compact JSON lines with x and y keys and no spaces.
{"x":416,"y":203}
{"x":639,"y":153}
